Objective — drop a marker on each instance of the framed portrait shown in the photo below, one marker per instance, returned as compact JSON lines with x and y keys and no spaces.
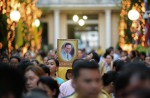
{"x":67,"y":51}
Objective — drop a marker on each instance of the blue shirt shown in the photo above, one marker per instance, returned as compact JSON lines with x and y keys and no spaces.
{"x":59,"y":80}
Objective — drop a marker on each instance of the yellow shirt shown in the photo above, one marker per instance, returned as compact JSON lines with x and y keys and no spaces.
{"x":75,"y":96}
{"x":104,"y":94}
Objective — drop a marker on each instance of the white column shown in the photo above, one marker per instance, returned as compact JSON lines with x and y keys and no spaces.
{"x":56,"y":27}
{"x":108,"y":27}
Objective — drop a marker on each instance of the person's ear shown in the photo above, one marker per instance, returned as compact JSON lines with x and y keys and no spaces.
{"x":54,"y":92}
{"x":56,"y":68}
{"x":112,"y":83}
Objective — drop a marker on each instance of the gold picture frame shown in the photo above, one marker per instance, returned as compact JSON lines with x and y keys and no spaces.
{"x":65,"y":58}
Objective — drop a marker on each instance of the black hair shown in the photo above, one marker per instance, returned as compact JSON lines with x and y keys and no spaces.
{"x":83,"y":64}
{"x":108,"y":51}
{"x":56,"y":61}
{"x":118,"y":65}
{"x":67,"y":44}
{"x":16,"y":57}
{"x":140,"y":93}
{"x":68,"y":71}
{"x":133,"y":53}
{"x":11,"y":81}
{"x":51,"y":83}
{"x":35,"y":61}
{"x":23,"y":65}
{"x":95,"y":56}
{"x":5,"y":56}
{"x":109,"y":77}
{"x":125,"y":52}
{"x":36,"y":93}
{"x":129,"y":70}
{"x":143,"y":53}
{"x":45,"y":68}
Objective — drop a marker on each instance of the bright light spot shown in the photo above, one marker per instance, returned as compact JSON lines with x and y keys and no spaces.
{"x":133,"y":14}
{"x":85,"y":17}
{"x":15,"y":15}
{"x":81,"y":22}
{"x":36,"y":23}
{"x":75,"y":18}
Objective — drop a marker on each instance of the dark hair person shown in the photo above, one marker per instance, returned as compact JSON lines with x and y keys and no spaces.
{"x":53,"y":65}
{"x":108,"y":84}
{"x":11,"y":82}
{"x":32,"y":75}
{"x":15,"y":60}
{"x":68,"y":75}
{"x":49,"y":85}
{"x":86,"y":79}
{"x":133,"y":76}
{"x":118,"y":65}
{"x":46,"y":69}
{"x":5,"y":59}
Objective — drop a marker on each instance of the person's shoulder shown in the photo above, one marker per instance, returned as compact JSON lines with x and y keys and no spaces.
{"x":102,"y":96}
{"x":74,"y":95}
{"x":67,"y":82}
{"x":60,"y":80}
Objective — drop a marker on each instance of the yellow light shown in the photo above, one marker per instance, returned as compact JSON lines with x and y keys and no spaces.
{"x":81,"y":22}
{"x":85,"y":17}
{"x":133,"y":14}
{"x":36,"y":23}
{"x":75,"y":18}
{"x":15,"y":15}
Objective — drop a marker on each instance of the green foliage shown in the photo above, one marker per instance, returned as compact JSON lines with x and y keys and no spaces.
{"x":143,"y":49}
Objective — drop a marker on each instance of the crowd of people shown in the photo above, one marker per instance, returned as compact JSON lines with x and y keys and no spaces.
{"x":114,"y":74}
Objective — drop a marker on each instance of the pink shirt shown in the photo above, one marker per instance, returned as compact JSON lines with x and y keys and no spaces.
{"x":66,"y":89}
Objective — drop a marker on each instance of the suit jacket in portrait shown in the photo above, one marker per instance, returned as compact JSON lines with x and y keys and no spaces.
{"x":65,"y":56}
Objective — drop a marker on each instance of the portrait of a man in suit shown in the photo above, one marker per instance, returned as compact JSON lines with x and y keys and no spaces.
{"x":66,"y":52}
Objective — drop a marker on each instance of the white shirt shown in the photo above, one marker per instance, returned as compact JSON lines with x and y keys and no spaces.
{"x":66,"y":89}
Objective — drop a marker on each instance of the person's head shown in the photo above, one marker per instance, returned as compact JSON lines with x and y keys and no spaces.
{"x":15,"y":60}
{"x":27,"y":55}
{"x":133,"y":76}
{"x":46,"y":69}
{"x":108,"y":81}
{"x":5,"y":59}
{"x":118,"y":50}
{"x":53,"y":65}
{"x":49,"y":85}
{"x":68,"y":75}
{"x":45,"y":59}
{"x":109,"y":51}
{"x":139,"y":93}
{"x":68,"y":48}
{"x":51,"y":54}
{"x":109,"y":59}
{"x":80,"y":54}
{"x":147,"y":61}
{"x":36,"y":93}
{"x":132,"y":54}
{"x":35,"y":62}
{"x":118,"y":65}
{"x":11,"y":82}
{"x":142,"y":56}
{"x":93,"y":56}
{"x":32,"y":75}
{"x":23,"y":65}
{"x":86,"y":78}
{"x":124,"y":53}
